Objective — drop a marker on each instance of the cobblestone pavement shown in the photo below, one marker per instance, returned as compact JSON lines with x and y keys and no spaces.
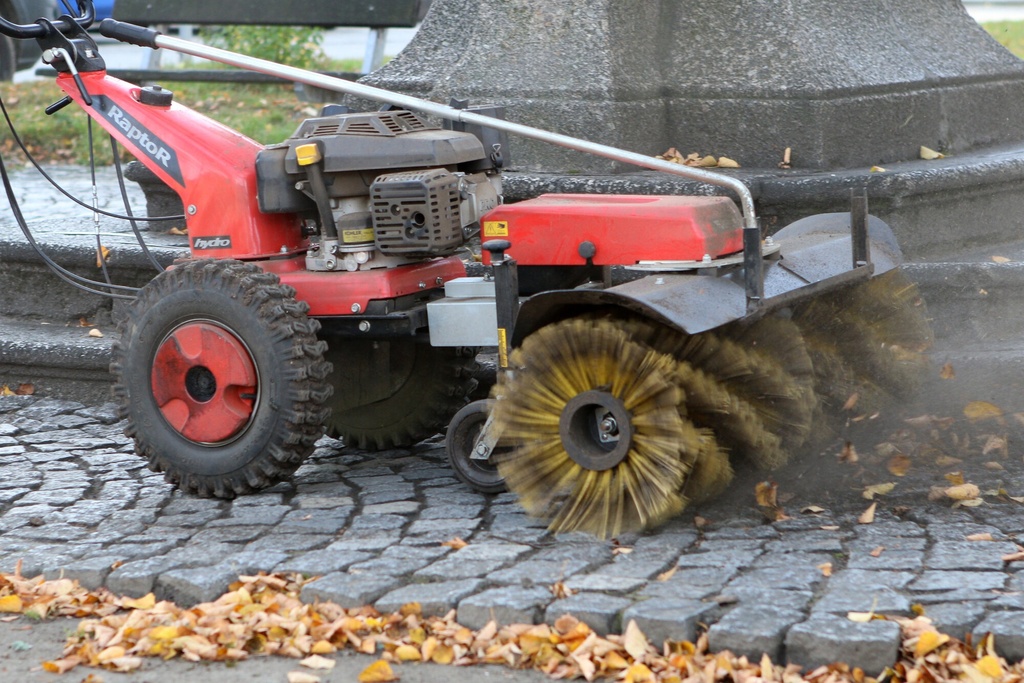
{"x":76,"y":500}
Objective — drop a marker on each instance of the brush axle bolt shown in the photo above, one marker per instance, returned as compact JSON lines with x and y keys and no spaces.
{"x":596,"y":430}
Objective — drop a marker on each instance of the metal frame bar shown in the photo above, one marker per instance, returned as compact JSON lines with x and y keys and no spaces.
{"x":752,"y":231}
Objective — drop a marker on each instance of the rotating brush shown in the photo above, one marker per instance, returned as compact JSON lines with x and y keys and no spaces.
{"x":870,"y":340}
{"x":600,"y":444}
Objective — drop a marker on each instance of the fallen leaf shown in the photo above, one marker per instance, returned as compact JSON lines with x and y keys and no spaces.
{"x":947,"y":461}
{"x":95,"y":333}
{"x":786,"y":158}
{"x":849,"y":453}
{"x":980,"y":537}
{"x":812,"y":510}
{"x":317,"y":662}
{"x":876,"y":169}
{"x":378,"y":672}
{"x":877,"y":490}
{"x":990,"y":666}
{"x":408,"y":653}
{"x":860,"y":617}
{"x":303,"y":677}
{"x":726,"y":162}
{"x":639,"y":673}
{"x":634,"y":640}
{"x":947,"y":372}
{"x":868,"y":515}
{"x":976,"y":411}
{"x":102,"y":253}
{"x":1000,"y":259}
{"x":666,"y":575}
{"x":560,"y":590}
{"x":994,"y":443}
{"x":145,"y":602}
{"x":60,"y":666}
{"x":825,"y":568}
{"x":929,"y":641}
{"x":851,"y":401}
{"x":11,"y":604}
{"x":766,"y":493}
{"x":455,"y":543}
{"x":898,"y":465}
{"x":877,"y":552}
{"x":963,"y":492}
{"x":1014,"y":557}
{"x":178,"y":231}
{"x":929,"y":154}
{"x":955,"y":478}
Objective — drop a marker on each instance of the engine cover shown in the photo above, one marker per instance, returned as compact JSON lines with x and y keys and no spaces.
{"x":416,"y":212}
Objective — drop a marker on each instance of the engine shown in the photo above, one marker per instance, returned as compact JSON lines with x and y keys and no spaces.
{"x":377,"y":189}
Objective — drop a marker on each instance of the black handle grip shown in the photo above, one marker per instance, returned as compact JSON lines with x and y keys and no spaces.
{"x":129,"y":33}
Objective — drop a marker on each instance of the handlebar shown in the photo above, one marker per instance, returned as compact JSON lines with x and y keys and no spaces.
{"x":87,"y":14}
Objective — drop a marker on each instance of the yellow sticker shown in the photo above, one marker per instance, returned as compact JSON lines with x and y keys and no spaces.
{"x":495,"y":228}
{"x":502,"y":348}
{"x":357,"y":236}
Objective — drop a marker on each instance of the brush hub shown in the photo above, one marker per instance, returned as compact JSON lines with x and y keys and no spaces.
{"x":596,"y":430}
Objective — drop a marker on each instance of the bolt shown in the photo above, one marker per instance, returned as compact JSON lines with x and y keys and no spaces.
{"x":608,"y":426}
{"x":284,"y":249}
{"x":356,"y":308}
{"x":481,"y":449}
{"x":706,"y":259}
{"x":439,"y":281}
{"x":192,"y":210}
{"x":364,"y":326}
{"x":423,"y":285}
{"x":769,"y":240}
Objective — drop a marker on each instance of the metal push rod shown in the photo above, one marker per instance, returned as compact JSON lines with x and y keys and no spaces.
{"x":754,"y":278}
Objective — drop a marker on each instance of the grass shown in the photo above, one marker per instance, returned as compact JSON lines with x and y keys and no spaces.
{"x":267,"y":113}
{"x":1009,"y":33}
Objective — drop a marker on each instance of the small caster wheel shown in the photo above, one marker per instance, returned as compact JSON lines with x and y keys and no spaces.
{"x":463,"y":432}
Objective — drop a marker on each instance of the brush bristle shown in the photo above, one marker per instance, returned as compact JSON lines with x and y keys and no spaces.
{"x":553,"y":366}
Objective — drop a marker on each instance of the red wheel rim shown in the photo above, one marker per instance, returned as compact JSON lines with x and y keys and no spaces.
{"x":205,"y":382}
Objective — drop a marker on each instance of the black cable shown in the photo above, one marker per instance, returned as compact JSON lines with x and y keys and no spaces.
{"x":72,"y":279}
{"x":128,"y":206}
{"x":76,"y":200}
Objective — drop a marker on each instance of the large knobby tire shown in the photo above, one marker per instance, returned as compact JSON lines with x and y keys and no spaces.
{"x":406,"y":391}
{"x":221,"y":377}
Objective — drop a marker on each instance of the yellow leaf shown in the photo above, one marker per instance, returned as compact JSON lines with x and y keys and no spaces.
{"x":928,"y":641}
{"x":455,"y":543}
{"x":638,"y":673}
{"x":1000,"y":259}
{"x":378,"y":672}
{"x":726,"y":162}
{"x":975,"y":411}
{"x":963,"y":492}
{"x":322,"y":647}
{"x":95,"y":333}
{"x":929,"y":154}
{"x":6,"y":391}
{"x":60,"y":666}
{"x":442,"y":654}
{"x":947,"y":372}
{"x":876,"y":169}
{"x":164,"y":632}
{"x":898,"y":465}
{"x":634,"y":640}
{"x":303,"y":677}
{"x":860,"y":617}
{"x":766,"y":493}
{"x":878,"y":490}
{"x":869,"y":515}
{"x":407,"y":653}
{"x":955,"y":478}
{"x":708,"y":161}
{"x":990,"y":666}
{"x":11,"y":604}
{"x":145,"y":602}
{"x":825,"y":569}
